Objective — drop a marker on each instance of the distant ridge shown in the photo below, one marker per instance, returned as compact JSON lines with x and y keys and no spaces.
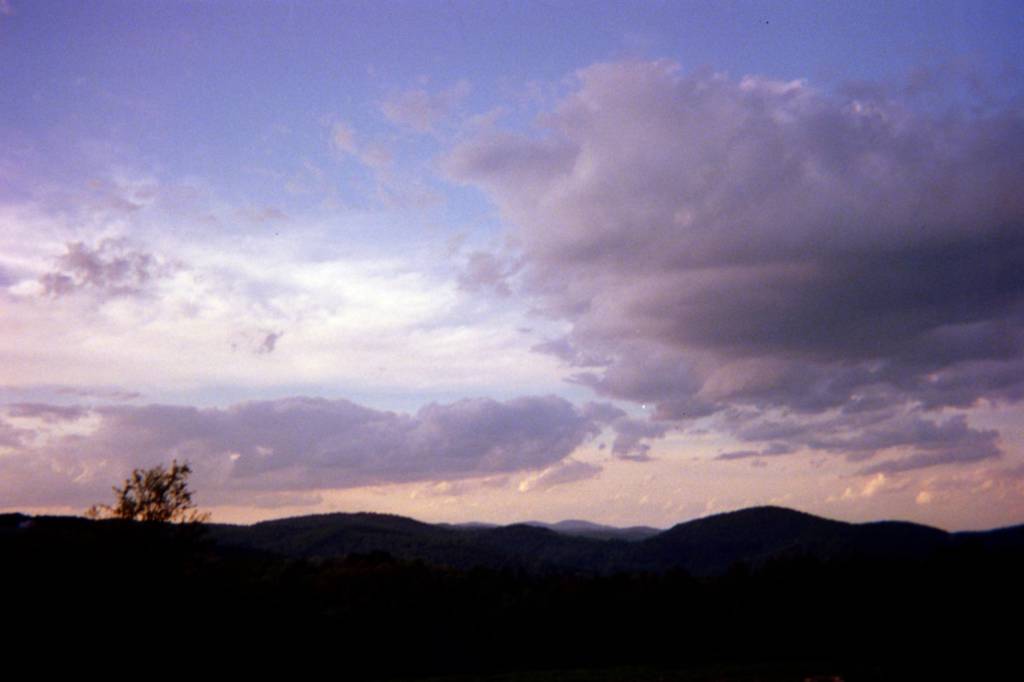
{"x":707,"y":546}
{"x":589,"y":529}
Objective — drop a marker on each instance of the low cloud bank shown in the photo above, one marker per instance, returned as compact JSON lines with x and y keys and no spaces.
{"x":71,"y":455}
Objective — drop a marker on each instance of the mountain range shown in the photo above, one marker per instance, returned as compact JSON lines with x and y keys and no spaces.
{"x":705,"y":546}
{"x":876,"y":601}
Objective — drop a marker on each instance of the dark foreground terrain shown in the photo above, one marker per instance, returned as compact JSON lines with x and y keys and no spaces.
{"x":763,"y":594}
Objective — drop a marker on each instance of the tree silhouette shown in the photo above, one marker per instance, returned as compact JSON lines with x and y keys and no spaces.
{"x":156,"y":494}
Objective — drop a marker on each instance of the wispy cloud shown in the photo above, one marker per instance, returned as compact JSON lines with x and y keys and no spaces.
{"x":422,"y":110}
{"x":343,"y":137}
{"x":568,"y":471}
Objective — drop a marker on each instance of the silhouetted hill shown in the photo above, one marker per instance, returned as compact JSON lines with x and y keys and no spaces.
{"x":1010,"y":538}
{"x":542,"y":549}
{"x":706,"y":546}
{"x":597,"y":531}
{"x":898,"y":539}
{"x":337,"y":535}
{"x":403,"y":599}
{"x":702,"y":547}
{"x":713,"y":544}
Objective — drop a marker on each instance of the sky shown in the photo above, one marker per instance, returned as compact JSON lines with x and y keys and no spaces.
{"x":634,"y":263}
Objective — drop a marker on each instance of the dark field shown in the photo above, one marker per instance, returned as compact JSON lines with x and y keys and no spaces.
{"x":125,"y":591}
{"x":766,"y":672}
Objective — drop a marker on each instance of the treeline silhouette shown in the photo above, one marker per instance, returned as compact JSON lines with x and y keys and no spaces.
{"x":370,"y":615}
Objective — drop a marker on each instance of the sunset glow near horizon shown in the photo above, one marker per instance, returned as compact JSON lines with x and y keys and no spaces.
{"x":463,"y":261}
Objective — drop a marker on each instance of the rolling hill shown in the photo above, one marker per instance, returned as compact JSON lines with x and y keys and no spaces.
{"x":756,"y":585}
{"x":706,"y":546}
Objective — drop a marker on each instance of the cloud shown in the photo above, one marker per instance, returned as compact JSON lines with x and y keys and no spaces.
{"x":11,"y":436}
{"x":908,"y":430}
{"x":269,"y":342}
{"x":568,"y":471}
{"x":630,"y":437}
{"x":350,"y":309}
{"x":878,"y":483}
{"x":281,"y":500}
{"x":343,"y":138}
{"x":565,"y":351}
{"x":754,"y":245}
{"x":739,"y":454}
{"x":873,"y":485}
{"x":486,"y":272}
{"x":110,"y":269}
{"x":772,"y":450}
{"x":422,"y":110}
{"x":293,"y":444}
{"x":376,"y":155}
{"x":630,"y":433}
{"x":262,"y":214}
{"x":1014,"y":472}
{"x":603,"y":413}
{"x":947,"y":455}
{"x":975,"y":488}
{"x":48,"y":413}
{"x":458,"y":488}
{"x":117,"y":394}
{"x":916,"y":441}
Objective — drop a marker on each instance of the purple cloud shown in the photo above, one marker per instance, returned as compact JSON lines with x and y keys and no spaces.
{"x":118,"y":394}
{"x":630,"y":434}
{"x":861,"y":436}
{"x":11,"y":436}
{"x":295,"y":444}
{"x":422,"y":110}
{"x":772,"y":450}
{"x":48,"y":413}
{"x":921,"y":460}
{"x":110,"y":269}
{"x":739,"y":454}
{"x":561,"y":473}
{"x":486,"y":272}
{"x":269,"y":342}
{"x":720,"y":244}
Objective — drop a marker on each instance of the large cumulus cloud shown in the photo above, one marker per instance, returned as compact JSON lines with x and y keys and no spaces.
{"x":289,"y":444}
{"x":725,"y":247}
